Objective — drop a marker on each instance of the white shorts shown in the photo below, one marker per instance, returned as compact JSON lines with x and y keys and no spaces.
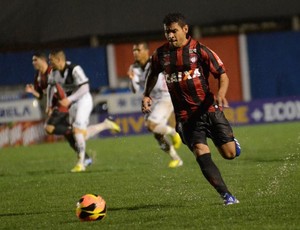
{"x":80,"y":112}
{"x":161,"y":110}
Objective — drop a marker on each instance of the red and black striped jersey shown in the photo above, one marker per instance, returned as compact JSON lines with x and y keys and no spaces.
{"x":58,"y":94}
{"x":186,"y":72}
{"x":41,"y":82}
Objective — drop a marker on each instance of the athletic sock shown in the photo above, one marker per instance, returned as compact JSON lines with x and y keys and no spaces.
{"x":212,"y":173}
{"x":92,"y":130}
{"x":80,"y":143}
{"x":164,"y":130}
{"x":162,"y":142}
{"x":173,"y":154}
{"x":61,"y":129}
{"x":71,"y":140}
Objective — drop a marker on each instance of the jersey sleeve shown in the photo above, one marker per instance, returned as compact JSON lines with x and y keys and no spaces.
{"x":37,"y":86}
{"x":79,"y":76}
{"x":214,"y":63}
{"x":135,"y":81}
{"x":155,"y":64}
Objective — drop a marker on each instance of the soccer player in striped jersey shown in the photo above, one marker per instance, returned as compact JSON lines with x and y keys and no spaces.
{"x":39,"y":86}
{"x":186,"y":65}
{"x":162,"y":107}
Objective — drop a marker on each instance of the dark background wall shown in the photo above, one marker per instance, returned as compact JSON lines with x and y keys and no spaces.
{"x":70,"y":24}
{"x":41,"y":21}
{"x":16,"y":68}
{"x":274,"y":61}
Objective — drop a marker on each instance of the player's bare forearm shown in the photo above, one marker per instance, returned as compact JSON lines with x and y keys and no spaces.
{"x":30,"y":89}
{"x":223,"y":87}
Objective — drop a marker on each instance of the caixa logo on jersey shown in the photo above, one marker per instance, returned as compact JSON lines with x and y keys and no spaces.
{"x":182,"y":76}
{"x":21,"y":110}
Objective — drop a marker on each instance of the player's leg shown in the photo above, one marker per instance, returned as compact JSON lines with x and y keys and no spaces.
{"x":161,"y":111}
{"x":156,"y":123}
{"x":222,"y":136}
{"x":71,"y":140}
{"x":83,"y":108}
{"x":107,"y":124}
{"x":194,"y":135}
{"x":57,"y":123}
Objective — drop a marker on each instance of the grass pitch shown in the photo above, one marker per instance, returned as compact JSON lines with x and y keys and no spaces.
{"x":38,"y":191}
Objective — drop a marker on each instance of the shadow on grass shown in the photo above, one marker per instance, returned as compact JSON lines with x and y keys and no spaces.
{"x":141,"y":207}
{"x":29,"y":213}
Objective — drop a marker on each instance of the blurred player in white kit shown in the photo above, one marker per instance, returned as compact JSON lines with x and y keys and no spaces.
{"x":161,"y":109}
{"x":79,"y":101}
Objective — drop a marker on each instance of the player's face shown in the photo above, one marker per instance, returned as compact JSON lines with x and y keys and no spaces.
{"x":176,"y":35}
{"x":54,"y":61}
{"x":140,"y":52}
{"x":37,"y":62}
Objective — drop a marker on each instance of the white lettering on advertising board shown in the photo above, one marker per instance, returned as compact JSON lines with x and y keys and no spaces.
{"x":281,"y":111}
{"x":20,"y":110}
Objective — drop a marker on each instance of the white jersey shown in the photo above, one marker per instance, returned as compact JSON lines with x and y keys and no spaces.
{"x":70,"y":79}
{"x":75,"y":84}
{"x":162,"y":107}
{"x":160,"y":90}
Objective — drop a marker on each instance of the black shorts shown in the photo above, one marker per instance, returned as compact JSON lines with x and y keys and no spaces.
{"x":58,"y":118}
{"x":212,"y":125}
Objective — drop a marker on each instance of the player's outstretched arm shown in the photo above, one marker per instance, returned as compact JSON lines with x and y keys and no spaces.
{"x":223,"y":86}
{"x":29,"y":88}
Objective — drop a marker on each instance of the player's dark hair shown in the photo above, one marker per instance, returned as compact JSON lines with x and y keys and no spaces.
{"x":175,"y":18}
{"x":145,"y":44}
{"x":56,"y":52}
{"x":40,"y":54}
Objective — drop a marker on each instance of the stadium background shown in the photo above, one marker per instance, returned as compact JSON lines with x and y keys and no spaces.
{"x":257,"y":40}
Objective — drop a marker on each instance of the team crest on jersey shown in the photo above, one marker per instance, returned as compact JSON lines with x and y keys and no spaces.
{"x":193,"y":59}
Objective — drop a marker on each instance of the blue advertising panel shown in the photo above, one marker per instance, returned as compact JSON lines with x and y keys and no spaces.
{"x":264,"y":111}
{"x":94,"y":63}
{"x":274,"y":64}
{"x":16,"y":68}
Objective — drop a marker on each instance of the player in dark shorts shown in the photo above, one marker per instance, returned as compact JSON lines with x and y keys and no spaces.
{"x":186,"y":65}
{"x":58,"y":121}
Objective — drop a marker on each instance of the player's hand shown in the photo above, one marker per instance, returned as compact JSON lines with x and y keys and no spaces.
{"x":48,"y":111}
{"x":65,"y":102}
{"x":146,"y":105}
{"x":130,"y":74}
{"x":29,"y":88}
{"x":222,"y":101}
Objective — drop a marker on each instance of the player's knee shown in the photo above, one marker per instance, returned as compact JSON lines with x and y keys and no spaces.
{"x":150,"y":126}
{"x":78,"y":131}
{"x":200,"y":149}
{"x":227,"y":151}
{"x":49,"y":129}
{"x":229,"y":155}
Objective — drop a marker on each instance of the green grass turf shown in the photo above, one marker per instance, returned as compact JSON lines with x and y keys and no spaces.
{"x":38,"y":191}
